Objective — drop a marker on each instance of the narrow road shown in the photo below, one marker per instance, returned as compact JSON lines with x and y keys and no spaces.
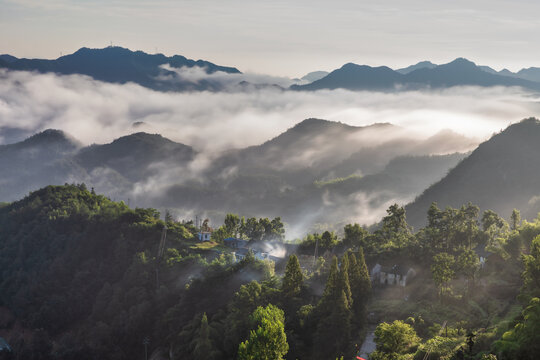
{"x":368,"y":346}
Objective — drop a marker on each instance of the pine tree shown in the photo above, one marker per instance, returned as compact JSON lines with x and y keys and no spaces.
{"x":268,"y":340}
{"x":202,"y":346}
{"x":365,"y":279}
{"x":344,"y":284}
{"x":360,"y":287}
{"x":293,"y":279}
{"x":516,"y":219}
{"x":332,"y":337}
{"x":330,"y":290}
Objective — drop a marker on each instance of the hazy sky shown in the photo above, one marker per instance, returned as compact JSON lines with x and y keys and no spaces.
{"x":282,"y":37}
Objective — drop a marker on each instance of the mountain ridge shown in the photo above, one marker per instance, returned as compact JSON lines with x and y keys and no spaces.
{"x":121,"y":65}
{"x":500,"y":175}
{"x":459,"y":72}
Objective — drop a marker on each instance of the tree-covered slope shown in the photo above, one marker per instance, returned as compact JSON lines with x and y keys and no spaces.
{"x":79,"y":276}
{"x":501,"y":174}
{"x":82,"y":278}
{"x":42,"y":159}
{"x":132,"y":155}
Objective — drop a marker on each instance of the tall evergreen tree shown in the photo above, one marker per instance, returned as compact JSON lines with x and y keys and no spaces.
{"x":268,"y":340}
{"x":330,"y":290}
{"x":344,"y":284}
{"x":293,"y":279}
{"x":516,"y":219}
{"x":194,"y":340}
{"x":202,"y":345}
{"x":332,"y":337}
{"x":360,"y":287}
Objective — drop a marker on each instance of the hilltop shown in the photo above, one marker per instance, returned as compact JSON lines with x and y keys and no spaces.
{"x":120,"y":65}
{"x":500,"y":175}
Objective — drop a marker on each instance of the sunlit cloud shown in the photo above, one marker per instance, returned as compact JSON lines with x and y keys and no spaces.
{"x":97,"y":112}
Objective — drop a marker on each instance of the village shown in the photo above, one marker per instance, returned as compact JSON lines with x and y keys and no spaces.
{"x":381,"y":275}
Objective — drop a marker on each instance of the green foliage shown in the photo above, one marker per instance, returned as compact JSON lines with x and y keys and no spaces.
{"x":268,"y":340}
{"x":449,"y":230}
{"x":325,"y":241}
{"x":263,"y":229}
{"x":442,"y":270}
{"x":515,"y":219}
{"x":360,"y":283}
{"x":293,"y":279}
{"x":232,"y":224}
{"x":194,"y":341}
{"x":355,"y":236}
{"x":395,"y":340}
{"x":332,"y":337}
{"x":531,"y":275}
{"x":439,"y":347}
{"x":320,"y":183}
{"x":64,"y":245}
{"x":523,"y":341}
{"x":468,"y":264}
{"x":394,"y":233}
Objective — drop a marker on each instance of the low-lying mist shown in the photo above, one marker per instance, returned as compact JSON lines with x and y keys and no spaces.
{"x":98,"y":112}
{"x":268,"y":181}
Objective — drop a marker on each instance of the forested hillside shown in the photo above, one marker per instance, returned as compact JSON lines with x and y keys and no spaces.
{"x":500,"y":175}
{"x":79,"y":281}
{"x":83,"y":277}
{"x":310,"y":173}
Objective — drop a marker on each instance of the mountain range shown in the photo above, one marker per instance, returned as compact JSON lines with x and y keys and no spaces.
{"x":460,"y":72}
{"x":317,"y":171}
{"x":501,"y":174}
{"x":160,"y":72}
{"x":304,"y":174}
{"x":120,"y":65}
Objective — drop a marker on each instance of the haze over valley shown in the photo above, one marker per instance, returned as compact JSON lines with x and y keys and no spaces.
{"x":269,"y":180}
{"x":228,"y":141}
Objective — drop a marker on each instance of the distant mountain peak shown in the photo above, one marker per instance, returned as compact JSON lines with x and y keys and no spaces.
{"x":421,"y":65}
{"x":314,"y":76}
{"x":50,"y":136}
{"x":8,"y":58}
{"x":462,"y":62}
{"x":116,"y":64}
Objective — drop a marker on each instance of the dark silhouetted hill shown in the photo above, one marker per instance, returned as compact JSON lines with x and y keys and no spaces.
{"x":460,"y":72}
{"x":41,"y":159}
{"x":314,"y":75}
{"x":356,"y":77}
{"x":420,"y":65}
{"x":120,"y":65}
{"x":132,"y":155}
{"x":501,"y":174}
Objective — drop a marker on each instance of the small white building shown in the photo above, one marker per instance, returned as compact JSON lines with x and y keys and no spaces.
{"x":395,"y":275}
{"x":4,"y":346}
{"x":204,"y":235}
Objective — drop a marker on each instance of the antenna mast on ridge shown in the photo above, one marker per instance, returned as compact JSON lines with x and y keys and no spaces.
{"x":315,"y":253}
{"x":161,"y":250}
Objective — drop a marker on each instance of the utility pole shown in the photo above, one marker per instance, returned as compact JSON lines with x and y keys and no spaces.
{"x":161,"y":250}
{"x":145,"y":342}
{"x":315,"y":253}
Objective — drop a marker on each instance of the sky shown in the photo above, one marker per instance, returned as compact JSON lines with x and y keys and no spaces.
{"x":281,"y":38}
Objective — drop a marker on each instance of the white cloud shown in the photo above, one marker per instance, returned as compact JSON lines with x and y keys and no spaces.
{"x":97,"y":112}
{"x":212,"y":122}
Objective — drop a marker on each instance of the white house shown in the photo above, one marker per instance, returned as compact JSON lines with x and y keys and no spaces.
{"x":204,"y":235}
{"x":395,"y":275}
{"x":4,"y":346}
